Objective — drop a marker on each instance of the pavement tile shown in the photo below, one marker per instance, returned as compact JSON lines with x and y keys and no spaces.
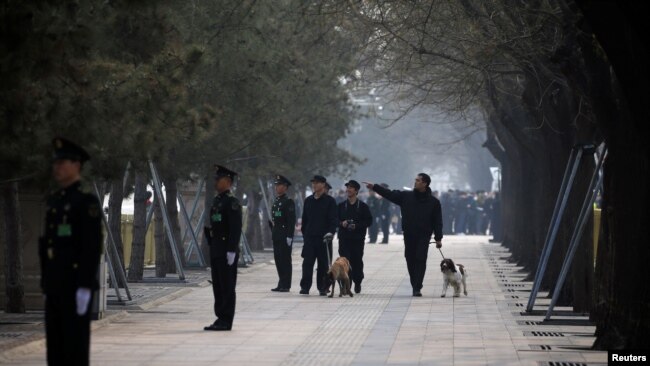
{"x":382,"y":325}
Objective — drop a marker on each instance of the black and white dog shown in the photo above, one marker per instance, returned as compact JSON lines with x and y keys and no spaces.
{"x":453,"y":275}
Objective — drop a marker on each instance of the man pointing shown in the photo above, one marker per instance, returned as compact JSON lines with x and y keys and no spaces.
{"x":421,"y":218}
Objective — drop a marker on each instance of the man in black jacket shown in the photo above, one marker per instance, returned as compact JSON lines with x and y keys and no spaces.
{"x":318,"y":227}
{"x":69,"y":251}
{"x":421,"y":218}
{"x":354,"y":220}
{"x":283,"y":213}
{"x":223,"y":236}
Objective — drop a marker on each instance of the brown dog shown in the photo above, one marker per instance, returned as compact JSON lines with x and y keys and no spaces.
{"x":339,"y":272}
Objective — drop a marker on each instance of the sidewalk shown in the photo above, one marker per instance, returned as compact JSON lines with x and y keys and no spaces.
{"x":382,"y":325}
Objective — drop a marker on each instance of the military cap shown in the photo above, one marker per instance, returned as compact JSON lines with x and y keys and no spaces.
{"x":328,"y":186}
{"x":354,"y":184}
{"x":66,"y":149}
{"x":221,"y":171}
{"x":319,"y":178}
{"x":279,"y":179}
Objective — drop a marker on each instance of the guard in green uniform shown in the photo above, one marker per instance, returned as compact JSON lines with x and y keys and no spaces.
{"x":223,"y":235}
{"x":69,"y":251}
{"x":282,"y":228}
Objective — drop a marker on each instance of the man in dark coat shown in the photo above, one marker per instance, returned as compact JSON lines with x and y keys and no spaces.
{"x":421,"y":218}
{"x":223,"y":235}
{"x":69,"y":252}
{"x":354,"y":218}
{"x":319,"y":224}
{"x":283,"y":213}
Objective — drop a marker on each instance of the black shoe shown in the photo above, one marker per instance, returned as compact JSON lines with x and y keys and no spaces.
{"x":417,"y":293}
{"x":218,"y":326}
{"x":323,"y":293}
{"x":304,"y":292}
{"x":357,"y":288}
{"x":277,"y":289}
{"x":282,"y":290}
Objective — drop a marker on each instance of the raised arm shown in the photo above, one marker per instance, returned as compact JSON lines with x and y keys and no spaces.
{"x":394,"y":196}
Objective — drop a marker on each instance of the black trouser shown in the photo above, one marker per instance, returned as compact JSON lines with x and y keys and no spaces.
{"x":224,"y":280}
{"x":373,"y":230}
{"x":282,"y":256}
{"x":416,"y":250}
{"x":314,"y":249}
{"x":68,"y":334}
{"x":385,"y":229}
{"x":352,"y":249}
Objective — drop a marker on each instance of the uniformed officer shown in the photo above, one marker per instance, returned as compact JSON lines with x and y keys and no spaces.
{"x":373,"y":204}
{"x":283,"y":225}
{"x":223,"y":235}
{"x":69,"y":251}
{"x":384,"y":216}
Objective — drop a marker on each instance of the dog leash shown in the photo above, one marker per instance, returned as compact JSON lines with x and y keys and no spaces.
{"x":443,"y":256}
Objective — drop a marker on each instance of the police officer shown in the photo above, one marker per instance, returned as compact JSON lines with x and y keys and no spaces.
{"x":354,"y":219}
{"x":422,"y":217}
{"x":373,"y":203}
{"x":384,"y":216}
{"x":69,"y":252}
{"x":223,"y":235}
{"x":319,"y":224}
{"x":283,"y":213}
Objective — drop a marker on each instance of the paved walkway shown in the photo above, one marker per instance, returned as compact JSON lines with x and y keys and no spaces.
{"x":382,"y":325}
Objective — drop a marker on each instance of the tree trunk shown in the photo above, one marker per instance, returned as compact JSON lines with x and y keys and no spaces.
{"x":253,"y":231}
{"x":171,"y":191}
{"x":136,"y":267}
{"x":115,"y":219}
{"x":622,"y":314}
{"x":10,"y":209}
{"x":159,"y":238}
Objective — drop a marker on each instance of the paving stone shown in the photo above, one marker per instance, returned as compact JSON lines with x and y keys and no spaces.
{"x":382,"y":325}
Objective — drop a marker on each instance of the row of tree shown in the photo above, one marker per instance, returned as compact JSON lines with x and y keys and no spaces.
{"x":546,"y":75}
{"x":248,"y":84}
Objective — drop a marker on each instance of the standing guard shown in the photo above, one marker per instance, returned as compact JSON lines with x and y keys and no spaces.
{"x":283,"y":225}
{"x":384,"y":216}
{"x":69,"y":252}
{"x":373,"y":204}
{"x":223,"y":235}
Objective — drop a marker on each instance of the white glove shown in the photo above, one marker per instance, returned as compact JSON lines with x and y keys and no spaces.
{"x":230,"y":257}
{"x":83,"y":298}
{"x":289,"y":241}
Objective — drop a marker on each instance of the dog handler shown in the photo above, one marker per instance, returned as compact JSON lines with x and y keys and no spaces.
{"x":318,"y":227}
{"x":421,"y":218}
